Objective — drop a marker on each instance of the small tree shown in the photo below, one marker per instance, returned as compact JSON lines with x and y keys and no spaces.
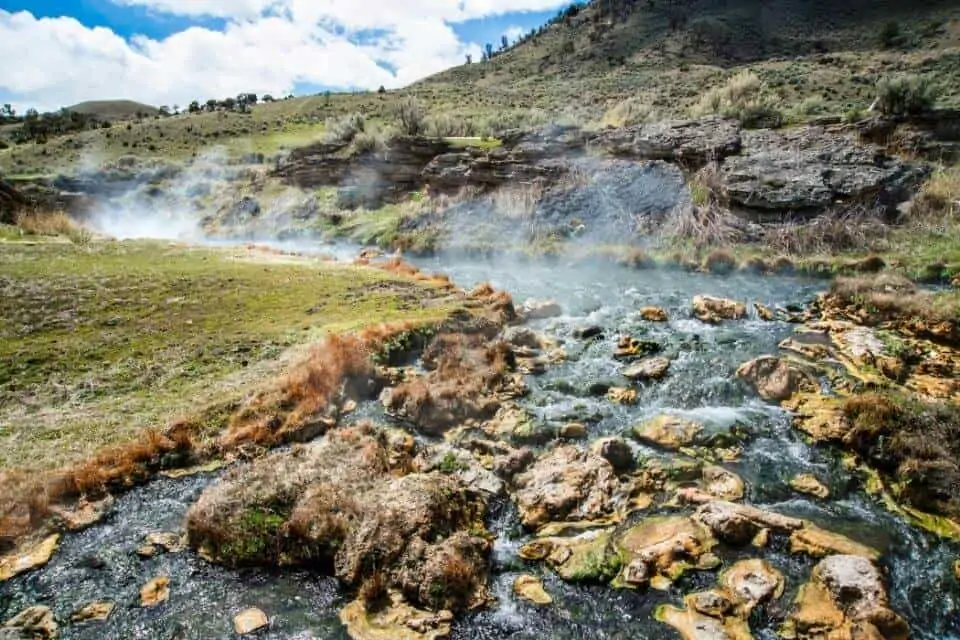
{"x":411,"y":116}
{"x":212,"y":105}
{"x":194,"y":107}
{"x":890,"y":35}
{"x":489,"y":51}
{"x":268,"y":98}
{"x":164,"y":111}
{"x":229,"y":104}
{"x":469,"y":58}
{"x":504,"y":42}
{"x":382,"y":90}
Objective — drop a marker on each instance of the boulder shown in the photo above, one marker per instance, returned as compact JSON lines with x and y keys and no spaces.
{"x":739,"y":524}
{"x":155,"y":592}
{"x":34,"y":622}
{"x":566,"y":483}
{"x":691,"y":142}
{"x":32,"y":558}
{"x":713,"y":310}
{"x":588,"y":332}
{"x":530,"y":588}
{"x":668,"y":432}
{"x":844,"y":598}
{"x":775,"y":379}
{"x":647,"y":369}
{"x":630,"y":348}
{"x":750,"y":583}
{"x":250,"y":621}
{"x":808,"y":483}
{"x":811,"y":169}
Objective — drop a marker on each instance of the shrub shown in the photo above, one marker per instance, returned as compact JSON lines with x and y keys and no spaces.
{"x":890,"y":35}
{"x":368,"y":141}
{"x":448,"y":126}
{"x":742,"y":97}
{"x":906,"y":95}
{"x":411,"y":116}
{"x":345,"y":128}
{"x":628,"y":113}
{"x":720,"y":262}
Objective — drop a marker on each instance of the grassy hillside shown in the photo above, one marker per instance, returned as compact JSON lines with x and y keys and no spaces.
{"x":114,"y":110}
{"x":659,"y":57}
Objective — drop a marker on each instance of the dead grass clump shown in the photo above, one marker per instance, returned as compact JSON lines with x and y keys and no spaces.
{"x":852,"y":230}
{"x":517,"y":201}
{"x":706,"y":221}
{"x":756,"y":265}
{"x":630,"y":112}
{"x":937,"y":206}
{"x":784,"y":266}
{"x":48,"y":223}
{"x":744,"y":97}
{"x":637,"y":259}
{"x":720,"y":262}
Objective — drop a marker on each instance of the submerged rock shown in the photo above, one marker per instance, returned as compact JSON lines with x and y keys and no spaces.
{"x":691,"y":624}
{"x":808,"y":483}
{"x":566,"y":483}
{"x":587,"y":557}
{"x":630,"y":348}
{"x":395,"y":621}
{"x":250,"y":621}
{"x":647,"y":369}
{"x":775,"y":379}
{"x":530,"y":588}
{"x":845,"y":598}
{"x":540,"y":309}
{"x":713,"y":310}
{"x":34,"y":622}
{"x":669,"y":432}
{"x":819,"y":543}
{"x":32,"y":558}
{"x":155,"y":592}
{"x":659,"y":550}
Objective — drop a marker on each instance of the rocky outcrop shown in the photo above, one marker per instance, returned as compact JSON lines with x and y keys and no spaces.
{"x":812,"y":169}
{"x":690,"y":142}
{"x":844,"y":598}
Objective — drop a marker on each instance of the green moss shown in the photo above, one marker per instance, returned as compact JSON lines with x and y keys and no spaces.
{"x":451,"y":464}
{"x":593,"y":560}
{"x":257,"y":538}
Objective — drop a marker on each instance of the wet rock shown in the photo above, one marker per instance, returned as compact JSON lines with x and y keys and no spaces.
{"x":844,"y":598}
{"x":622,"y":396}
{"x":589,"y":332}
{"x":630,"y":348}
{"x":712,"y":310}
{"x":250,"y":621}
{"x":669,"y":432}
{"x":34,"y":622}
{"x":654,"y":314}
{"x":694,"y":625}
{"x":647,"y":369}
{"x":724,"y":484}
{"x":764,"y":312}
{"x":566,"y":483}
{"x":615,"y":451}
{"x":659,"y":550}
{"x":155,"y":592}
{"x":752,"y":582}
{"x":739,"y":524}
{"x":464,"y":465}
{"x":812,"y":169}
{"x":32,"y":558}
{"x":775,"y":379}
{"x":692,"y":142}
{"x":522,"y":337}
{"x":84,"y":514}
{"x":396,"y":621}
{"x":807,"y":483}
{"x":516,"y":425}
{"x":587,"y":557}
{"x":540,"y":309}
{"x":530,"y":588}
{"x":819,"y":543}
{"x":573,"y":431}
{"x":93,"y":612}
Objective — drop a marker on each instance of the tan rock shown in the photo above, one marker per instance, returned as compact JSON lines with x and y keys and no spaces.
{"x":531,"y":588}
{"x":762,"y":539}
{"x":250,"y":621}
{"x":84,"y":514}
{"x":764,"y":312}
{"x":622,"y":396}
{"x":30,"y":559}
{"x":93,"y":612}
{"x":647,"y":369}
{"x":722,"y":483}
{"x":775,"y":379}
{"x":662,"y":547}
{"x":739,"y":523}
{"x":807,"y":483}
{"x":752,"y":582}
{"x":541,"y":309}
{"x":714,"y":310}
{"x":819,"y":543}
{"x":34,"y":622}
{"x":956,"y":569}
{"x":694,"y":625}
{"x":629,"y":348}
{"x":654,"y":314}
{"x":573,"y":431}
{"x":155,"y":592}
{"x":398,"y":621}
{"x":669,"y":432}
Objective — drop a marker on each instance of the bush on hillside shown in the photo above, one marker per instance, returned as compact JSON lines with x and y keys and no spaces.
{"x":742,"y":97}
{"x":906,"y":95}
{"x":410,"y":116}
{"x":448,"y":126}
{"x":628,"y":113}
{"x":345,"y":128}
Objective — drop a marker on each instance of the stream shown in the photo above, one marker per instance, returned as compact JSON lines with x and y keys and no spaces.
{"x":101,"y":563}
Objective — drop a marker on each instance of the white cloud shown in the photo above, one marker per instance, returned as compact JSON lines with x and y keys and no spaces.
{"x":267,"y":46}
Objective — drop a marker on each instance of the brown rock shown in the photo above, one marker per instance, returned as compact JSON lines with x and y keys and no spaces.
{"x":250,"y":621}
{"x":775,"y":379}
{"x":739,"y":523}
{"x":93,"y":612}
{"x":398,"y":621}
{"x":615,"y":451}
{"x":647,"y":369}
{"x":663,"y":547}
{"x":622,"y":396}
{"x":30,"y":559}
{"x":155,"y":592}
{"x":34,"y":622}
{"x":820,"y":543}
{"x":808,"y":483}
{"x":694,"y":625}
{"x":85,"y":514}
{"x":573,"y":431}
{"x":669,"y":432}
{"x":654,"y":314}
{"x":764,"y":312}
{"x":630,"y":348}
{"x":531,"y":588}
{"x":714,"y":310}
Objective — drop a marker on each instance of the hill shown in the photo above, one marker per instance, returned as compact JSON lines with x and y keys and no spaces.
{"x":113,"y":110}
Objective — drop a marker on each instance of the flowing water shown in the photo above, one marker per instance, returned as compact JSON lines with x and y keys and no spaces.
{"x":101,"y":563}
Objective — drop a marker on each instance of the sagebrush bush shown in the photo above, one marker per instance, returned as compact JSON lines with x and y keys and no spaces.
{"x":345,"y":128}
{"x":630,"y":112}
{"x":448,"y":126}
{"x":410,"y":116}
{"x":743,"y":97}
{"x":906,"y":95}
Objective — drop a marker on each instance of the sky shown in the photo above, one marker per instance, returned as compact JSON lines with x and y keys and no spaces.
{"x":55,"y":53}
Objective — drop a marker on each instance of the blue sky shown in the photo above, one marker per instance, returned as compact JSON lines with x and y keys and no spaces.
{"x":171,"y":51}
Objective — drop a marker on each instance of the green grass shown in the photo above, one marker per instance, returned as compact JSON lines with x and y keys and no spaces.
{"x":98,"y":342}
